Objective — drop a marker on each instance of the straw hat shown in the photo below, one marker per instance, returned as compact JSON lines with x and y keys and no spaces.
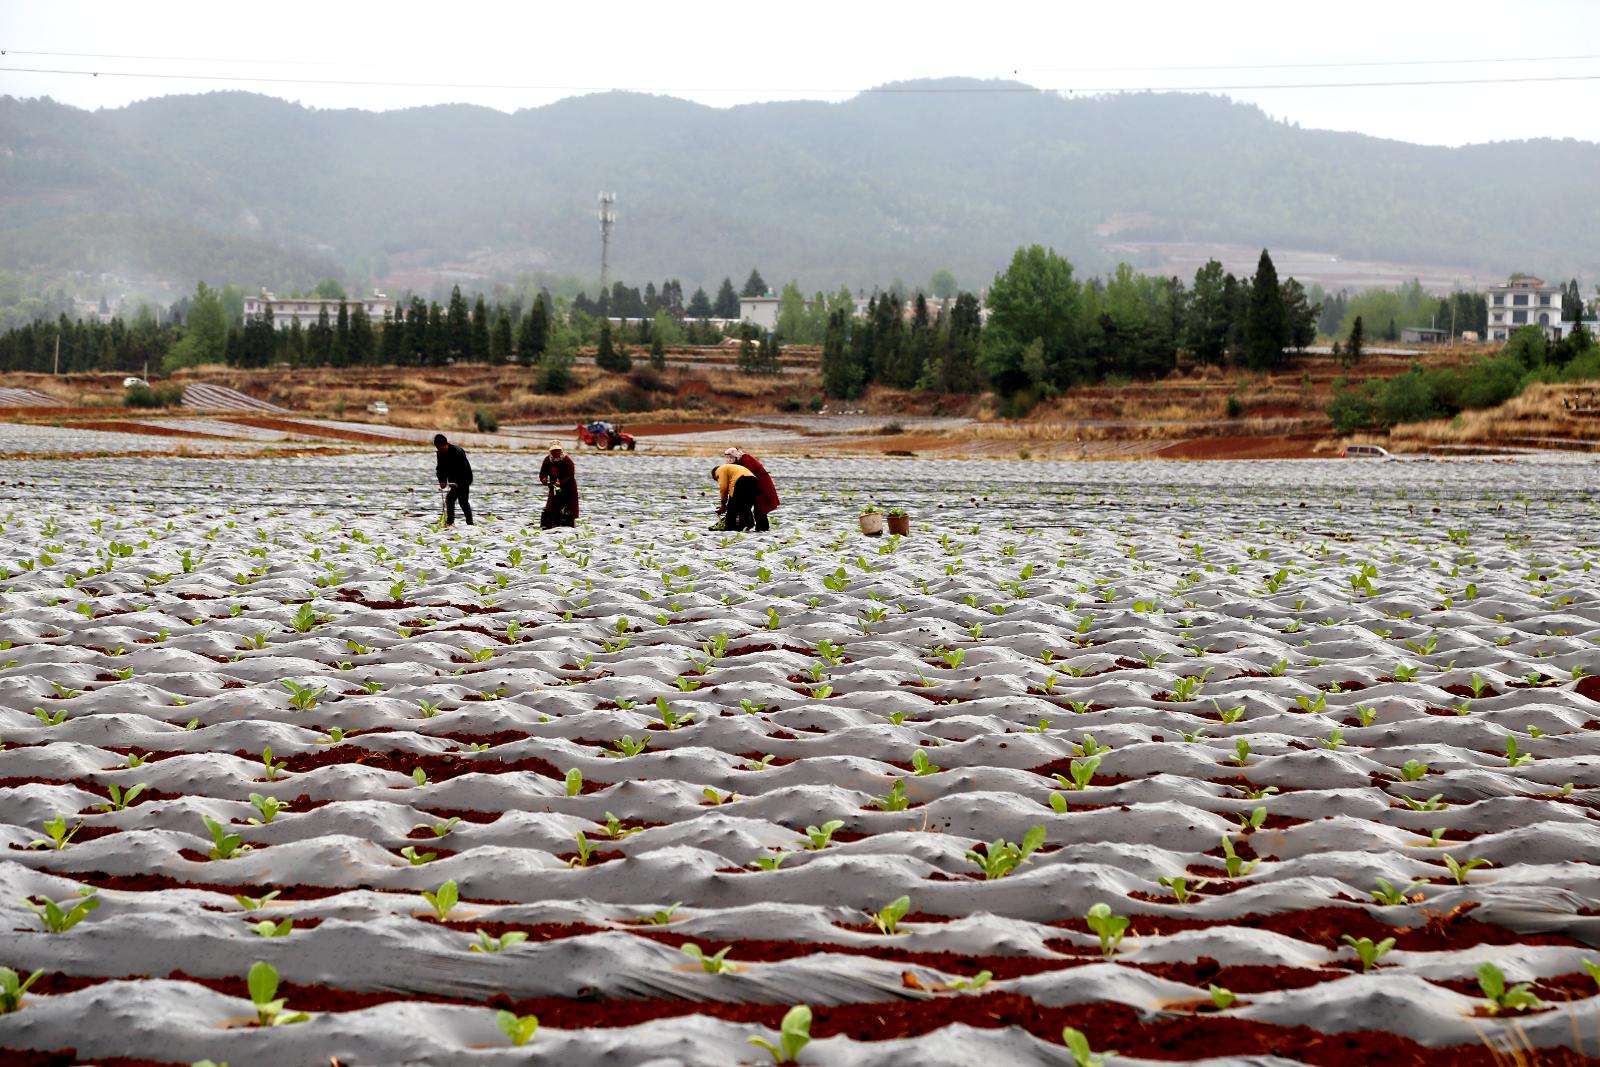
{"x":555,"y":446}
{"x":732,"y":453}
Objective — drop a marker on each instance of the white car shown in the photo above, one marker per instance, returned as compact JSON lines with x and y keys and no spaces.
{"x":379,"y":408}
{"x":134,"y":383}
{"x":1364,"y":452}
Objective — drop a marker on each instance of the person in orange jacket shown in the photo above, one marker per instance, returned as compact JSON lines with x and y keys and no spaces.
{"x":766,"y":493}
{"x":738,"y":496}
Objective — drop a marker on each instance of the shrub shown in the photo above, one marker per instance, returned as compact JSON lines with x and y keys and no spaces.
{"x":485,"y":421}
{"x":1235,"y":407}
{"x":1350,"y":409}
{"x":1407,"y":397}
{"x":789,"y":403}
{"x":556,"y":375}
{"x":649,"y":380}
{"x":143,"y":396}
{"x":890,"y":428}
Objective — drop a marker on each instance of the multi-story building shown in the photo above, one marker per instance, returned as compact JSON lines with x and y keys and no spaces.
{"x":308,"y":310}
{"x":1524,"y":301}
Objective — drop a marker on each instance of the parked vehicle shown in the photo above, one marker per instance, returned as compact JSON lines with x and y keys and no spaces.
{"x":134,"y":383}
{"x":602,"y":434}
{"x":378,"y":408}
{"x":1365,"y":452}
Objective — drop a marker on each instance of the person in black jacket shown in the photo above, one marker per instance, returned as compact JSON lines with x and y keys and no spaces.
{"x":454,"y":473}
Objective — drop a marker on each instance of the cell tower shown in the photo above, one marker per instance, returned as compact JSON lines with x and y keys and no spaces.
{"x":608,"y":219}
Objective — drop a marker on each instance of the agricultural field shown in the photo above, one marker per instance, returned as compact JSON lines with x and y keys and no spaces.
{"x":1267,"y":763}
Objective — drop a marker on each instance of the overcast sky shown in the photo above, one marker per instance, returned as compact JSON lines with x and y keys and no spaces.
{"x":524,"y":53}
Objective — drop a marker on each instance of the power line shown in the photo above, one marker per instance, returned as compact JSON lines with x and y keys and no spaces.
{"x":1295,"y":66}
{"x":882,"y":89}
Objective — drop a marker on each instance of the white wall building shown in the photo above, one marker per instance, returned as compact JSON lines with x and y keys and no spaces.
{"x":308,"y":310}
{"x":1523,"y":302}
{"x":760,"y":311}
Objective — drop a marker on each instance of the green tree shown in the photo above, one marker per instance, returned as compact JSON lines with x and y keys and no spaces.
{"x":339,"y":349}
{"x":665,"y":329}
{"x":841,"y":375}
{"x":726,"y":306}
{"x":478,"y":337}
{"x":362,"y":347}
{"x":943,"y":284}
{"x":1266,"y":329}
{"x":205,"y":333}
{"x":658,"y":350}
{"x":792,"y":318}
{"x":1353,"y":344}
{"x":753,"y":285}
{"x":1299,"y":314}
{"x":608,"y":356}
{"x":700,"y":304}
{"x":328,"y":289}
{"x":534,"y":332}
{"x":1035,"y":299}
{"x":458,"y":326}
{"x":500,"y":337}
{"x":1205,"y":330}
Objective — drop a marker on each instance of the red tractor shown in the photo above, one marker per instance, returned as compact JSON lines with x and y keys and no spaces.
{"x":605,"y":435}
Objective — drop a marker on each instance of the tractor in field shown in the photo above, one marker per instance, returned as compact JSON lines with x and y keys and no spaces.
{"x":604,"y":435}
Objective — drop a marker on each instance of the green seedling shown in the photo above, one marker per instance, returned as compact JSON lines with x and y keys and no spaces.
{"x":1082,"y":771}
{"x":1513,"y":757}
{"x":585,"y":850}
{"x":717,"y":964}
{"x":263,"y":984}
{"x":1182,"y":892}
{"x":133,"y":761}
{"x":224,"y":846}
{"x":335,"y":735}
{"x":715,"y":798}
{"x":895,"y":799}
{"x":268,"y":807}
{"x":1369,"y":952}
{"x":664,"y":916}
{"x":669,"y":715}
{"x":488,"y":944}
{"x":1241,"y":751}
{"x":616,"y":829}
{"x":1387,"y":895}
{"x":1366,"y":713}
{"x":1257,"y":792}
{"x":1412,"y":770}
{"x":1221,"y":998}
{"x":759,"y":764}
{"x":270,"y":768}
{"x":1252,"y":820}
{"x":57,"y":836}
{"x":256,"y":903}
{"x":819,"y":837}
{"x":574,"y":782}
{"x":970,"y":985}
{"x":1078,"y":1045}
{"x":415,"y":858}
{"x":51,"y":719}
{"x":519,"y":1028}
{"x":920,"y":766}
{"x":427,"y":710}
{"x":751,"y":708}
{"x":628,"y":746}
{"x":442,"y":900}
{"x":1459,"y":870}
{"x":1594,"y":971}
{"x":1433,"y":803}
{"x":419,"y":777}
{"x":794,"y":1034}
{"x":771,"y":863}
{"x":268,"y":928}
{"x":1108,"y":926}
{"x":58,"y":920}
{"x":119,"y":799}
{"x":440,"y":829}
{"x":13,"y":987}
{"x":1000,"y":857}
{"x":302,"y":697}
{"x":1236,"y":866}
{"x":888,"y":917}
{"x":1493,"y":983}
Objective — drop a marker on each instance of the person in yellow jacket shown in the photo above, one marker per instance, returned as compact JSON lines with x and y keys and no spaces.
{"x":737,"y":504}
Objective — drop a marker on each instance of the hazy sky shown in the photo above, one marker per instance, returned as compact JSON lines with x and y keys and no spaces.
{"x":522,"y":54}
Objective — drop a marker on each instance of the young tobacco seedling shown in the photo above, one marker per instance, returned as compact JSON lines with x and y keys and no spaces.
{"x":1181,"y":890}
{"x":895,"y":799}
{"x":272,"y":769}
{"x":1078,"y":1045}
{"x":794,"y":1034}
{"x":585,"y":850}
{"x":439,"y":829}
{"x":519,"y":1028}
{"x":971,"y":985}
{"x":256,"y":903}
{"x":268,"y":928}
{"x":1221,"y":998}
{"x":1082,"y":773}
{"x":1513,"y":757}
{"x":819,"y":837}
{"x":1411,"y":770}
{"x":628,"y":746}
{"x":1387,"y":895}
{"x":1236,"y":867}
{"x":224,"y":846}
{"x":13,"y":987}
{"x":1459,"y":870}
{"x":417,"y":859}
{"x":268,"y":807}
{"x":717,"y":964}
{"x":1251,"y":821}
{"x":888,"y":917}
{"x":1493,"y":983}
{"x":574,"y":782}
{"x":664,"y":916}
{"x":442,"y":900}
{"x":119,"y":799}
{"x":58,"y":834}
{"x":1109,"y":927}
{"x":1241,"y":751}
{"x":488,"y":944}
{"x":263,"y":984}
{"x":58,"y":920}
{"x":1370,"y":953}
{"x":1000,"y":857}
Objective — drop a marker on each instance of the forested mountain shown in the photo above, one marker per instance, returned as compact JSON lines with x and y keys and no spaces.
{"x":242,"y":188}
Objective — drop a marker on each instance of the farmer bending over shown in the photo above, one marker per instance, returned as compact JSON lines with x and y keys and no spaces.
{"x":455,"y":475}
{"x":766,"y":492}
{"x":738,"y":500}
{"x":560,"y":478}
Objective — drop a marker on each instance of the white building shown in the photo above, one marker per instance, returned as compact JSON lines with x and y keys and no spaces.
{"x":308,"y":310}
{"x":1524,"y":302}
{"x":760,"y":311}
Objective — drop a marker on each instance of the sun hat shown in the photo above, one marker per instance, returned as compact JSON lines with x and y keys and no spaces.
{"x":555,"y":446}
{"x":732,"y":452}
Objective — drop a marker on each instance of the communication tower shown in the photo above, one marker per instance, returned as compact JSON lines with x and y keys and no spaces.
{"x":608,"y":219}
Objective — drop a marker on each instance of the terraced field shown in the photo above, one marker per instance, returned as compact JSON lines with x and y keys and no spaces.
{"x":1260,"y":763}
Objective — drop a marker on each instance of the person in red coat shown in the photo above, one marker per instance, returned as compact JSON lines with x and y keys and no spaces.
{"x":560,"y":479}
{"x":766,"y":493}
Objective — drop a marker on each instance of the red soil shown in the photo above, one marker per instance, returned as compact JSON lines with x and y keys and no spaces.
{"x":1277,"y":447}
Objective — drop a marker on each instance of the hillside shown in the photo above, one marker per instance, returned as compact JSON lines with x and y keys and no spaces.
{"x":246,"y":188}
